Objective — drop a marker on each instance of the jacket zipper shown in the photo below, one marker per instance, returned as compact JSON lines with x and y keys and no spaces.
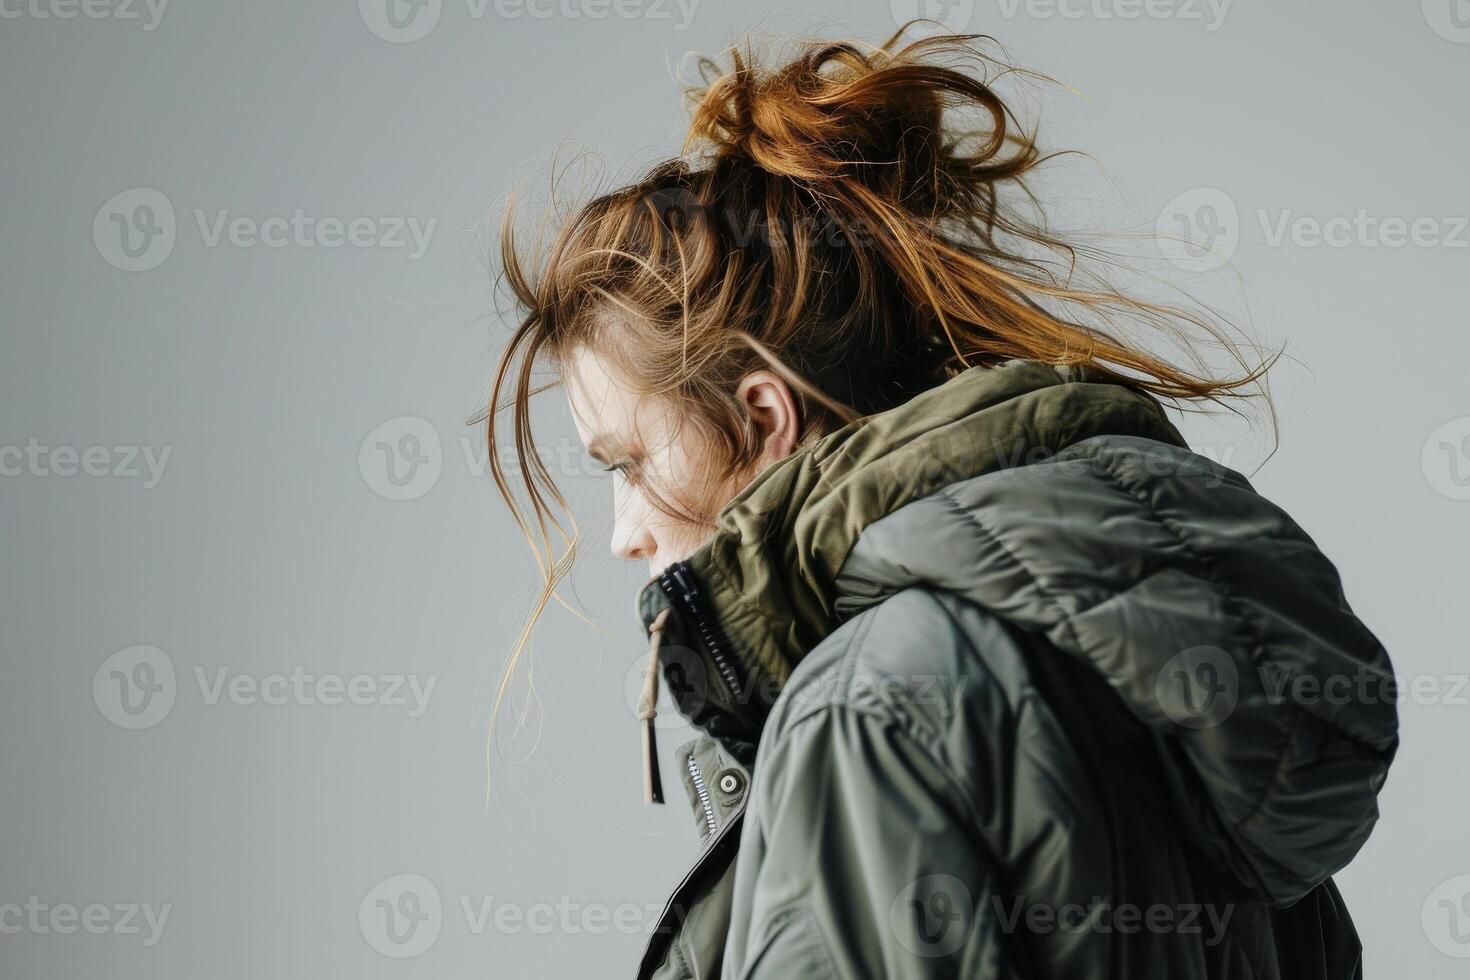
{"x":677,"y":582}
{"x":728,"y":833}
{"x":702,"y":792}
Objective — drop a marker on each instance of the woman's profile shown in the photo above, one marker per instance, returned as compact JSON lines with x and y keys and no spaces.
{"x":993,"y":675}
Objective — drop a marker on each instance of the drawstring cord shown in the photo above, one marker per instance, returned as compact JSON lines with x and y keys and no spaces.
{"x":653,"y":789}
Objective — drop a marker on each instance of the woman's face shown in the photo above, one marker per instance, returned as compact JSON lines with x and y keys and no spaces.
{"x":636,"y":436}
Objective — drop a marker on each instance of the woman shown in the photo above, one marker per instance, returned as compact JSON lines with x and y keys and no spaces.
{"x":994,"y":676}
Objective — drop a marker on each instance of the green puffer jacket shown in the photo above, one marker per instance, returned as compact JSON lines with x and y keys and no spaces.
{"x":1007,"y":682}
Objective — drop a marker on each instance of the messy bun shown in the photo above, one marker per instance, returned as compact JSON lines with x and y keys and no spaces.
{"x":862,"y":139}
{"x":837,"y":114}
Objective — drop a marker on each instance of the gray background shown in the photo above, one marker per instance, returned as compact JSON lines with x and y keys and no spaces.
{"x":269,"y":545}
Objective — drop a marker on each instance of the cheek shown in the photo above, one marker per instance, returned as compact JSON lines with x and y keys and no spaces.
{"x":633,"y":508}
{"x":687,"y":474}
{"x":675,"y":472}
{"x":674,"y":536}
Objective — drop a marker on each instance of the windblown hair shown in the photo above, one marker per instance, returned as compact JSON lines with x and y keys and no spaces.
{"x":848,"y":220}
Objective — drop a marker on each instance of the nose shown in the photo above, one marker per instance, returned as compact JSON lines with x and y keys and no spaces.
{"x":631,"y":538}
{"x":632,"y":546}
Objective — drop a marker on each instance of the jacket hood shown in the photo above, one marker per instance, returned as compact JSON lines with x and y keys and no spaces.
{"x":1068,"y":507}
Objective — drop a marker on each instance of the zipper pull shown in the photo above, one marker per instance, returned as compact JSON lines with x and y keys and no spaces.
{"x":653,"y":789}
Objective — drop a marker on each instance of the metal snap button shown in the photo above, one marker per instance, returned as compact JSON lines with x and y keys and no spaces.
{"x":730,"y":782}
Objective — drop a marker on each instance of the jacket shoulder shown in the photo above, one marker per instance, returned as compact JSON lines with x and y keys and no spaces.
{"x":947,"y":673}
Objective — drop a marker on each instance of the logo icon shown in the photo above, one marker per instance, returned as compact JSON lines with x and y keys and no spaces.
{"x":1446,"y":917}
{"x":1199,"y":230}
{"x":135,"y":688}
{"x":1446,"y":459}
{"x":683,"y":685}
{"x":402,"y":458}
{"x":675,"y":208}
{"x":932,"y":916}
{"x":401,"y":915}
{"x":1198,"y":687}
{"x":936,"y":16}
{"x":135,"y":229}
{"x":1450,"y":19}
{"x":400,"y":21}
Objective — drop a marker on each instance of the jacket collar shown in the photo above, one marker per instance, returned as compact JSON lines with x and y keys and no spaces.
{"x":759,"y":593}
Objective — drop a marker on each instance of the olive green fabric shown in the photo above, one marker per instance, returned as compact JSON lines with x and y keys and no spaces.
{"x":1027,"y":689}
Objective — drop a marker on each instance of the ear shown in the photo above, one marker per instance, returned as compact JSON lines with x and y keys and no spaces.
{"x":772,"y":408}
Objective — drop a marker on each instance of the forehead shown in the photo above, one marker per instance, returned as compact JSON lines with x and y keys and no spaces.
{"x":600,"y":403}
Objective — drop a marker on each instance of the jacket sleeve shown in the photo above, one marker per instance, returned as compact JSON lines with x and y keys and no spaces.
{"x":840,"y":782}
